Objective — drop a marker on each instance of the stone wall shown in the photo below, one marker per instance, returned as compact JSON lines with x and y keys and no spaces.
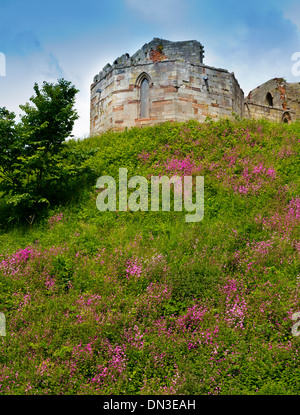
{"x":181,"y":88}
{"x":293,"y":98}
{"x":160,"y":49}
{"x":275,"y":100}
{"x":276,"y":89}
{"x":258,"y":111}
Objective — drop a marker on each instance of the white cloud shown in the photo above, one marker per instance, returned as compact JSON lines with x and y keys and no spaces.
{"x":22,"y":72}
{"x":77,"y":60}
{"x":292,"y":12}
{"x":160,"y":11}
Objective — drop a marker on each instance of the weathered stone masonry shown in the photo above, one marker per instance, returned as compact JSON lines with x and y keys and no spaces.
{"x":276,"y":100}
{"x":167,"y":81}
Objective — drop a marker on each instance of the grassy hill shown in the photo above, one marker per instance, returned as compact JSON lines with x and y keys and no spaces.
{"x":145,"y":303}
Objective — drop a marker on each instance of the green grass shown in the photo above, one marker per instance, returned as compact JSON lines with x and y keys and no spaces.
{"x":145,"y":303}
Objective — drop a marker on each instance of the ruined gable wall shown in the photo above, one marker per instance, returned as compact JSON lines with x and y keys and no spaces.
{"x":285,"y":97}
{"x":293,"y":98}
{"x":276,"y":87}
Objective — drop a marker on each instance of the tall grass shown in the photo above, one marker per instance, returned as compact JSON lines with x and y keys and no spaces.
{"x":145,"y":303}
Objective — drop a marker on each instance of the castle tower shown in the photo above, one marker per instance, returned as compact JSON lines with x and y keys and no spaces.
{"x":163,"y":81}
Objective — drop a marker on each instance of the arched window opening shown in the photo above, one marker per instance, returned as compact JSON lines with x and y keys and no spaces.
{"x":144,"y":98}
{"x":286,"y":118}
{"x":269,"y":99}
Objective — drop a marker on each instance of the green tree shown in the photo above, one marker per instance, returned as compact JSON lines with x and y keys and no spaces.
{"x":10,"y":150}
{"x":31,"y":152}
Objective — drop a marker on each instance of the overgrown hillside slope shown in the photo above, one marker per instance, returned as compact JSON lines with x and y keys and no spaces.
{"x":145,"y":303}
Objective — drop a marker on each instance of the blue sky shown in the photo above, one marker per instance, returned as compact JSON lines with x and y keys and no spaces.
{"x":46,"y":40}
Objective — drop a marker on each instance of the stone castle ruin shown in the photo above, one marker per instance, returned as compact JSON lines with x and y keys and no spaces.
{"x":168,"y":81}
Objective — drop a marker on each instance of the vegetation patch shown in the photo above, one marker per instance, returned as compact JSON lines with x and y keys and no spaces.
{"x":143,"y":302}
